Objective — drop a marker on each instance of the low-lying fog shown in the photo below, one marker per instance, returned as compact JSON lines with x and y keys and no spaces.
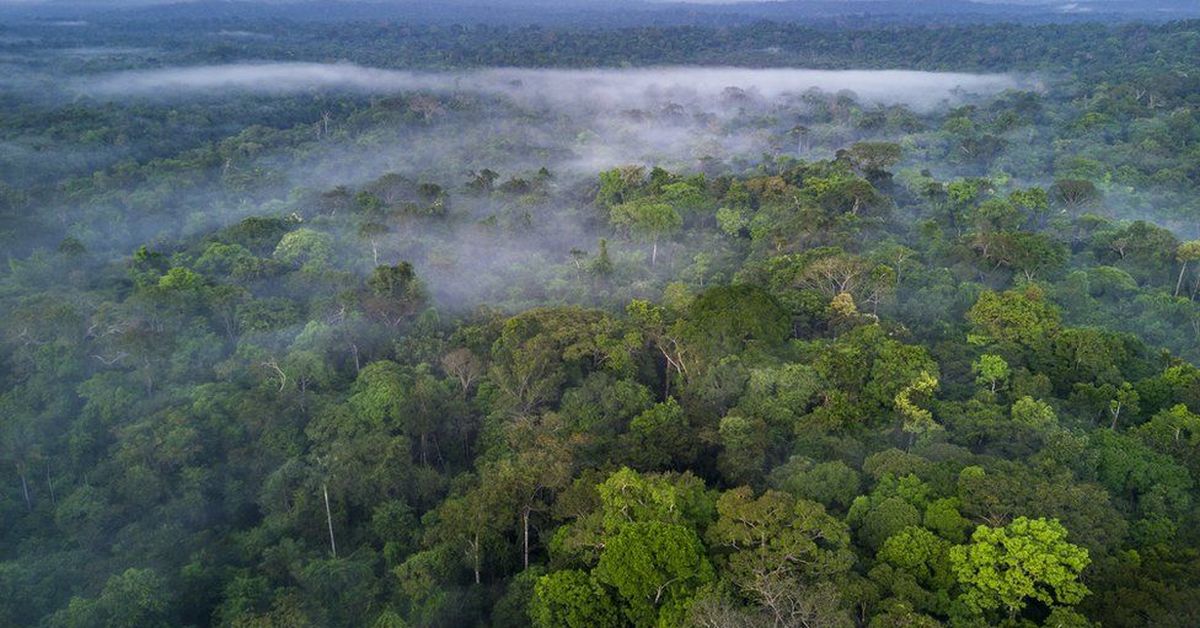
{"x":439,"y":127}
{"x":599,"y":88}
{"x":571,"y":121}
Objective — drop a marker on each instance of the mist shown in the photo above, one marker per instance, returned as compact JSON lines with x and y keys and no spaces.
{"x":515,"y":121}
{"x":597,"y":88}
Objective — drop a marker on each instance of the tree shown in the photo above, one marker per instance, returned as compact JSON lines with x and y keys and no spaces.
{"x":1029,"y":559}
{"x":647,"y":220}
{"x":1022,"y":316}
{"x":602,"y":266}
{"x":917,"y":421}
{"x":538,"y":468}
{"x":1174,"y":431}
{"x":394,"y":294}
{"x":471,"y":524}
{"x":664,"y":334}
{"x":725,"y":319}
{"x":620,"y":185}
{"x":655,"y":568}
{"x":921,"y":555}
{"x":134,"y":598}
{"x":361,"y":459}
{"x":775,"y":540}
{"x":1034,"y":202}
{"x":305,"y":248}
{"x":1124,"y":400}
{"x":1185,"y":253}
{"x":873,"y":158}
{"x":836,"y":274}
{"x":743,"y":448}
{"x":1074,"y":194}
{"x":627,"y":496}
{"x":990,"y":370}
{"x":572,"y":599}
{"x":463,"y":365}
{"x":1031,"y":254}
{"x":1033,"y":413}
{"x":539,"y":350}
{"x":833,"y":484}
{"x":483,"y":181}
{"x":875,"y":518}
{"x":661,"y":437}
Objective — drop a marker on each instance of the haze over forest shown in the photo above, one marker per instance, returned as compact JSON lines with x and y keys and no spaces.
{"x":585,"y":314}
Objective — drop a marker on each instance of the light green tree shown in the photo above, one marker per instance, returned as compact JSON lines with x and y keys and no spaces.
{"x":1034,"y":413}
{"x":648,"y":221}
{"x":990,"y":370}
{"x":655,"y":568}
{"x":572,"y":599}
{"x":305,"y":248}
{"x":1028,"y":559}
{"x":917,"y":420}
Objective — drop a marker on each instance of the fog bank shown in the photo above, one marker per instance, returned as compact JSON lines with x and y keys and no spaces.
{"x":598,"y":88}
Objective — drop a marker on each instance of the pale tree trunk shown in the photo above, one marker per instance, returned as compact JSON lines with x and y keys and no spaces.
{"x":476,"y":551}
{"x":1179,"y":282}
{"x":25,"y":490}
{"x":654,"y":252}
{"x":329,"y":520}
{"x":50,"y":485}
{"x":525,"y":536}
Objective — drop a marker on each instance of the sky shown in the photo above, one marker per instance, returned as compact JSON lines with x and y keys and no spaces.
{"x":558,"y":3}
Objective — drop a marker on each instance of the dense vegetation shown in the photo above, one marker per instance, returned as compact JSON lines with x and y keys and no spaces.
{"x":896,"y":367}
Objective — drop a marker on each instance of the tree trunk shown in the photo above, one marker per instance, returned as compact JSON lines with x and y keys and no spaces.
{"x":475,"y":548}
{"x":329,"y":520}
{"x":525,"y":535}
{"x":25,"y":490}
{"x":654,"y":252}
{"x":50,"y":485}
{"x":1179,"y":282}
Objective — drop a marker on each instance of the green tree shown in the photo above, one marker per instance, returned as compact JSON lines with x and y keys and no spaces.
{"x":627,"y":496}
{"x":743,"y":448}
{"x":1074,"y":194}
{"x":305,"y":248}
{"x":394,"y":293}
{"x":647,"y":220}
{"x":572,"y":599}
{"x":1186,"y":252}
{"x":917,"y":421}
{"x":655,"y":568}
{"x":134,"y":598}
{"x":1022,"y":316}
{"x":1029,"y":559}
{"x":1033,"y":413}
{"x":990,"y":370}
{"x":873,"y":158}
{"x":776,"y":542}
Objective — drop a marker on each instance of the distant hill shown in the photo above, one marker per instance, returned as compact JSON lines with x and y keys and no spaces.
{"x":842,"y":13}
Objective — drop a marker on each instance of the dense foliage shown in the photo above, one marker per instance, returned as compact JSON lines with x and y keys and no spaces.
{"x":903,"y":367}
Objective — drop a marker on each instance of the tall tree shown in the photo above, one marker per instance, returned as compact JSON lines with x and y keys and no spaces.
{"x":1029,"y":559}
